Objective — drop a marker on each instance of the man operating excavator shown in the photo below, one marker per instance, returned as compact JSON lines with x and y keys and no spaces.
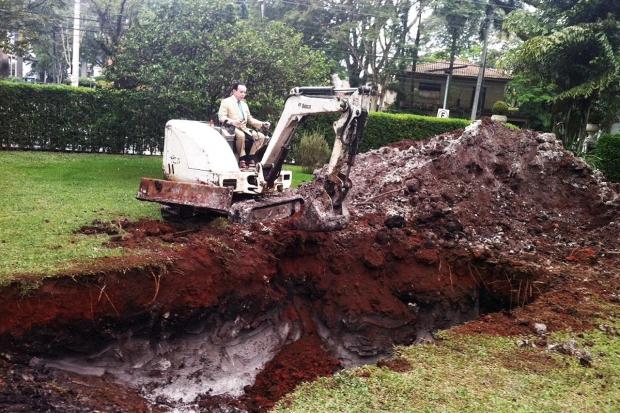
{"x":234,"y":112}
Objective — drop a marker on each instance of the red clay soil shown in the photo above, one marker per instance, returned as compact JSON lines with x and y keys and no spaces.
{"x":504,"y":218}
{"x":301,"y":361}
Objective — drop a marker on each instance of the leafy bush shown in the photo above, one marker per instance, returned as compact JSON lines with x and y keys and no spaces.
{"x":608,"y":154}
{"x":500,"y":108}
{"x":312,"y":151}
{"x":86,"y":82}
{"x":385,"y":128}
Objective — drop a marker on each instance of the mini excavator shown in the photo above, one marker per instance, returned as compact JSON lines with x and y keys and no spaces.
{"x":201,"y":172}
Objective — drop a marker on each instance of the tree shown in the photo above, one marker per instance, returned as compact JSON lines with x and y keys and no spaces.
{"x":22,"y":22}
{"x":194,"y":50}
{"x":534,"y":98}
{"x":110,"y":20}
{"x":456,"y":23}
{"x":574,"y":47}
{"x":368,"y":37}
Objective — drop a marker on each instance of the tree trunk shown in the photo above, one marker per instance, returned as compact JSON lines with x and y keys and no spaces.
{"x":19,"y":59}
{"x":416,"y":49}
{"x":83,"y":69}
{"x":483,"y":65}
{"x":450,"y":69}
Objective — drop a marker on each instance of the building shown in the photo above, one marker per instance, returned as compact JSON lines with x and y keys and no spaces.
{"x":424,"y":92}
{"x":9,"y":66}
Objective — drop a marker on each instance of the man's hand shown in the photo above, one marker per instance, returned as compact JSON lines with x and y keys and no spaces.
{"x":266,"y":125}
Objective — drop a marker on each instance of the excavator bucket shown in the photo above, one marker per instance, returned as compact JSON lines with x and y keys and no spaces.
{"x":319,"y":213}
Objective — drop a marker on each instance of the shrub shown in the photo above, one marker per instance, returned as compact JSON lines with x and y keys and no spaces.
{"x":385,"y":128}
{"x":86,"y":82}
{"x":56,"y":117}
{"x":608,"y":154}
{"x":500,"y":108}
{"x":312,"y":151}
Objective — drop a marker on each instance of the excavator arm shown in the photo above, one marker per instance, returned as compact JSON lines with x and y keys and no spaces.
{"x":349,"y":130}
{"x":308,"y":101}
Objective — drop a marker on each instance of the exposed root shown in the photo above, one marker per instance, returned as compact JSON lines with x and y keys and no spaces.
{"x":157,"y":280}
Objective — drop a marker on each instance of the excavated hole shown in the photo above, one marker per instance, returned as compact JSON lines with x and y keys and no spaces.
{"x":178,"y":359}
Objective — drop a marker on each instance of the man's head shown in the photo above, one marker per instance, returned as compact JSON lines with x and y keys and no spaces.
{"x":239,"y":90}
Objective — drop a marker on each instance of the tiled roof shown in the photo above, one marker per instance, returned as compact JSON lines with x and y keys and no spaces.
{"x":461,"y":68}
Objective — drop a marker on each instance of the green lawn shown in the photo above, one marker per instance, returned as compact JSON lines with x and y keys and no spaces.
{"x":477,"y":374}
{"x":299,"y":176}
{"x":47,"y":196}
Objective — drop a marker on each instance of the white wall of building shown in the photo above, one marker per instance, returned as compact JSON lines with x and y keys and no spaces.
{"x":13,"y":62}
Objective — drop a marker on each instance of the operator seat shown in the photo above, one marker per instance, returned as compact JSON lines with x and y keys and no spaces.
{"x":230,"y":138}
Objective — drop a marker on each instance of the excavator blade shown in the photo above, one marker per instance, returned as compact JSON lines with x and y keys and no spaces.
{"x":210,"y":197}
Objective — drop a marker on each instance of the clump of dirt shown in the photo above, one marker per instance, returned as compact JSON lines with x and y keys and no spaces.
{"x":504,"y":229}
{"x":129,"y":234}
{"x":400,"y":365}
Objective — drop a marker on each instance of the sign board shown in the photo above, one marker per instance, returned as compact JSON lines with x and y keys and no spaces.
{"x":443,"y":113}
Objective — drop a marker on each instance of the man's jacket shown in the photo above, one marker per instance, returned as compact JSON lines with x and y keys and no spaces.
{"x":230,"y":110}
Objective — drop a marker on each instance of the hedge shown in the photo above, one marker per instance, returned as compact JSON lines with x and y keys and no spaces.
{"x":59,"y":118}
{"x":608,"y":156}
{"x":385,"y":128}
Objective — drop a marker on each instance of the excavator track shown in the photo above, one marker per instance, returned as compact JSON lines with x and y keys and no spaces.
{"x":265,"y":209}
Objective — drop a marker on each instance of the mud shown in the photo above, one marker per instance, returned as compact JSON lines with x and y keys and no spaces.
{"x":489,"y":229}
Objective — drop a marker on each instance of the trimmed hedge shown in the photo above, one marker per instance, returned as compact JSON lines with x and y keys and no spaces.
{"x":608,"y":154}
{"x":59,"y":118}
{"x":386,"y":128}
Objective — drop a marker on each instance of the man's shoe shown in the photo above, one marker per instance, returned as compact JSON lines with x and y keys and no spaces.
{"x":242,"y":165}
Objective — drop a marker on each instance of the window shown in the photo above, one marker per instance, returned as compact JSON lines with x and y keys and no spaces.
{"x":429,"y":90}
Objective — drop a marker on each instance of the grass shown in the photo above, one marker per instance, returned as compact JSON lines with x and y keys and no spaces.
{"x":47,"y":196}
{"x":477,"y":374}
{"x":299,"y":176}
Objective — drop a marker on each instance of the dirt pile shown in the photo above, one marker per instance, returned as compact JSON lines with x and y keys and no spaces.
{"x":516,"y":192}
{"x":492,"y":222}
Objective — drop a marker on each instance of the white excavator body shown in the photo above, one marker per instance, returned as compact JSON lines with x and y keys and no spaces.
{"x":196,"y":152}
